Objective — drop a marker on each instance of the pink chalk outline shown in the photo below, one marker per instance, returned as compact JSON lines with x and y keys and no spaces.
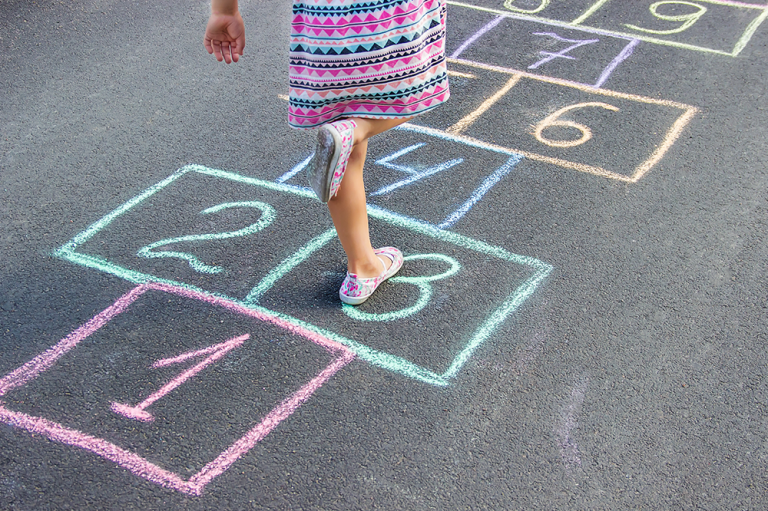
{"x":139,"y":412}
{"x":131,"y":461}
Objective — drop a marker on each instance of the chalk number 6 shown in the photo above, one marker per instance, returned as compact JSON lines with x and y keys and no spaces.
{"x":554,"y":120}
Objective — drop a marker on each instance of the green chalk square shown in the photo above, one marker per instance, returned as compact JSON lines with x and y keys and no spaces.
{"x":732,"y":25}
{"x":236,"y":226}
{"x":471,"y":288}
{"x":495,"y":317}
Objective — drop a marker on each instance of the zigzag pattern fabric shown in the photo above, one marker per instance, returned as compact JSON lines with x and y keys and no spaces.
{"x":381,"y":59}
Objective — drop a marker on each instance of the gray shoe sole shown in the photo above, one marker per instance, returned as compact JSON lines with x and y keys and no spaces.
{"x":321,"y":169}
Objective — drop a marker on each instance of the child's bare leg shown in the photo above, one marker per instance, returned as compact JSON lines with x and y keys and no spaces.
{"x":366,"y":128}
{"x":350,"y":217}
{"x":347,"y":207}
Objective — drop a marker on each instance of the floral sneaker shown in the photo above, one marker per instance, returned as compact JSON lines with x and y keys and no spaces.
{"x":355,"y":290}
{"x":334,"y":144}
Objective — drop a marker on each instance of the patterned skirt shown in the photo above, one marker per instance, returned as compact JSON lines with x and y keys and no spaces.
{"x":382,"y":59}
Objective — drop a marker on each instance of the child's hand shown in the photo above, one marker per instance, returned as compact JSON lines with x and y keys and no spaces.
{"x":225,"y":37}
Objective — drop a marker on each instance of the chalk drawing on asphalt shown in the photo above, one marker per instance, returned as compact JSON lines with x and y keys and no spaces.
{"x":568,"y":423}
{"x":129,"y":459}
{"x":215,"y":352}
{"x":593,"y":61}
{"x":562,"y":54}
{"x":664,"y":23}
{"x":267,"y":217}
{"x":422,"y":282}
{"x":602,"y":98}
{"x":495,"y":317}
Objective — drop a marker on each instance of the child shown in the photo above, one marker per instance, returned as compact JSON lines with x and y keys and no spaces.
{"x":356,"y":70}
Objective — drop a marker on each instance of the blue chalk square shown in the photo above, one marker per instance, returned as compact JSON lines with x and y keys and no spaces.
{"x":445,"y":176}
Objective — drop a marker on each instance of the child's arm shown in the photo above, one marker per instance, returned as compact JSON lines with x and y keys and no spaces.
{"x":225,"y":33}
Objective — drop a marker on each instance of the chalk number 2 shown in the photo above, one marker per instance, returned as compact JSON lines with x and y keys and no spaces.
{"x":267,"y":217}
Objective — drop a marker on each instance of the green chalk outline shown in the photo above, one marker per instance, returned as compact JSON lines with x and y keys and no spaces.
{"x":422,"y":282}
{"x":741,"y":43}
{"x":287,"y":265}
{"x":394,"y":363}
{"x":267,"y":217}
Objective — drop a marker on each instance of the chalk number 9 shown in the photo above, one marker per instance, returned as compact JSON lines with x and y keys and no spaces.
{"x":687,"y":19}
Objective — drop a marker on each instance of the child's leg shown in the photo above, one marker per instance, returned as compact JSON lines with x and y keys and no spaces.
{"x":347,"y":207}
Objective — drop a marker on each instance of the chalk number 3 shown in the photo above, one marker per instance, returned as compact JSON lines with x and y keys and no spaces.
{"x":267,"y":217}
{"x":422,"y":282}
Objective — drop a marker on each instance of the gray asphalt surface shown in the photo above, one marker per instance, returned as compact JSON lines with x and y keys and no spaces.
{"x":632,"y":376}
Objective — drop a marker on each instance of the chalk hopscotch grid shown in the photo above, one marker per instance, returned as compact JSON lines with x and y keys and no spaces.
{"x":415,"y":176}
{"x":453,"y":134}
{"x":741,"y":43}
{"x":623,"y":55}
{"x":670,"y":137}
{"x":384,"y":360}
{"x":131,"y":461}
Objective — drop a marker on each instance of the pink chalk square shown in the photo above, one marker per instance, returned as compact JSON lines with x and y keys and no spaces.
{"x":186,"y":366}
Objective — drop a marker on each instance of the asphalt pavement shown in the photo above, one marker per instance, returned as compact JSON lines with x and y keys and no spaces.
{"x":580,"y":322}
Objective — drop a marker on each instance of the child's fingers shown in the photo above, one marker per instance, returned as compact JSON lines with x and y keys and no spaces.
{"x":217,"y":50}
{"x":226,"y":49}
{"x":237,"y":50}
